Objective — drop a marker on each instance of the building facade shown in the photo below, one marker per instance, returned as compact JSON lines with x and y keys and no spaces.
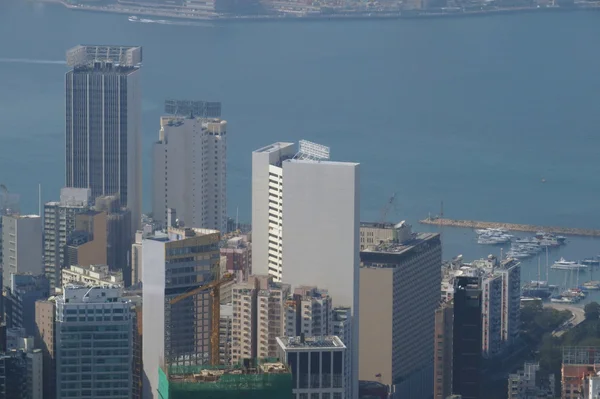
{"x":467,"y":336}
{"x":527,"y":383}
{"x":174,"y":262}
{"x":258,"y":317}
{"x":25,"y":290}
{"x":97,"y":275}
{"x":59,"y":223}
{"x":491,"y":312}
{"x":190,"y":172}
{"x":21,"y":245}
{"x":45,"y":314}
{"x":406,"y":276}
{"x":94,"y":340}
{"x":443,"y":355}
{"x":309,"y":311}
{"x":267,"y":208}
{"x":103,"y":123}
{"x":317,"y":365}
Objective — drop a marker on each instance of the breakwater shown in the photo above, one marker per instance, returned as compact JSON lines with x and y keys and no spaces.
{"x":475,"y":224}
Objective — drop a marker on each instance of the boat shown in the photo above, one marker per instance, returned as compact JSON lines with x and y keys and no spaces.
{"x":562,"y":299}
{"x":133,"y":18}
{"x":563,"y":264}
{"x":590,"y":262}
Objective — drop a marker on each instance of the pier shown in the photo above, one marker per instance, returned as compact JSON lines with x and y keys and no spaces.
{"x":475,"y":224}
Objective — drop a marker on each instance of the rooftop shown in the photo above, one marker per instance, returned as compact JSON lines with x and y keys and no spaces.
{"x":177,"y":234}
{"x":198,"y":375}
{"x":311,"y":342}
{"x":398,"y":248}
{"x":125,"y":56}
{"x":274,"y":147}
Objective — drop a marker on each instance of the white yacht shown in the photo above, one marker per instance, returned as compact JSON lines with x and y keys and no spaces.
{"x":564,"y":264}
{"x":133,"y":18}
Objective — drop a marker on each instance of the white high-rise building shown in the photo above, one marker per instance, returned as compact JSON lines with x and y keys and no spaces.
{"x":267,"y":207}
{"x":21,"y":246}
{"x":94,"y":337}
{"x":190,"y":172}
{"x":305,"y":219}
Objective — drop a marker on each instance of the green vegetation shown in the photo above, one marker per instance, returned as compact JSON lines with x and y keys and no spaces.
{"x":537,"y":321}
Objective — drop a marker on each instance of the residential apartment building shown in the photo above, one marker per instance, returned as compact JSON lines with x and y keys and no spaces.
{"x":406,"y":276}
{"x":510,"y":270}
{"x":190,"y":172}
{"x":467,"y":337}
{"x":103,"y":123}
{"x":225,"y":334}
{"x":177,"y":334}
{"x":308,"y":311}
{"x":238,"y":255}
{"x":528,"y":383}
{"x":94,"y":340}
{"x":258,"y":317}
{"x":579,"y":363}
{"x":21,"y":246}
{"x":59,"y":223}
{"x":491,"y":312}
{"x":97,"y":275}
{"x":317,"y":365}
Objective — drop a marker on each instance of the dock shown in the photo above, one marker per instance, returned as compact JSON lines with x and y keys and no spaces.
{"x":475,"y":224}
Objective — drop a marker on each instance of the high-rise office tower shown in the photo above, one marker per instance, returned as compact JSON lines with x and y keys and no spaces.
{"x":177,"y":334}
{"x":103,"y":123}
{"x":59,"y":223}
{"x":304,"y":204}
{"x":190,"y":172}
{"x":23,"y":292}
{"x":467,"y":337}
{"x":258,"y":317}
{"x":405,"y":274}
{"x":510,"y":270}
{"x":21,"y":245}
{"x":94,"y":337}
{"x":267,"y":207}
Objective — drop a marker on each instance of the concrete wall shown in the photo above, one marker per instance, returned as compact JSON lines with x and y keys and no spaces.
{"x":376,"y":307}
{"x":153,"y":324}
{"x":321,"y":233}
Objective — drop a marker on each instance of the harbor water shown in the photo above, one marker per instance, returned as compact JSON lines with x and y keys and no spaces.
{"x":496,"y":116}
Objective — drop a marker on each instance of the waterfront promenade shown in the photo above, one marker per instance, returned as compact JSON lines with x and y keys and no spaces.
{"x":475,"y":224}
{"x":181,"y":13}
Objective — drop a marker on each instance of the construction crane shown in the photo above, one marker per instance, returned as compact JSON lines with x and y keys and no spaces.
{"x":386,"y":209}
{"x":215,"y":288}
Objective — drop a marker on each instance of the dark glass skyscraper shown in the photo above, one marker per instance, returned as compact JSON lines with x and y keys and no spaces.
{"x":103,"y":123}
{"x":467,"y":336}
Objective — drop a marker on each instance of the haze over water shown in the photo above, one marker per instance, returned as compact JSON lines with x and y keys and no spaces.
{"x":471,"y":111}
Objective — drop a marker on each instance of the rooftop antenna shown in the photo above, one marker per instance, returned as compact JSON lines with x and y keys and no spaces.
{"x":237,"y":218}
{"x":40,"y":199}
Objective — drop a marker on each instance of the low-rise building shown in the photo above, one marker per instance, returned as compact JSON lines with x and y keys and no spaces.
{"x":97,"y":275}
{"x":317,"y":365}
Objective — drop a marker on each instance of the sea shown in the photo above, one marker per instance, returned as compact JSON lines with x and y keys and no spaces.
{"x":496,"y":117}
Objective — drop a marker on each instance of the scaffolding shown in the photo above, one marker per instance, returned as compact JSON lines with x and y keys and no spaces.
{"x":266,"y":379}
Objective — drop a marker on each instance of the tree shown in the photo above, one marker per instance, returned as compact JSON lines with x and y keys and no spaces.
{"x":592,"y":311}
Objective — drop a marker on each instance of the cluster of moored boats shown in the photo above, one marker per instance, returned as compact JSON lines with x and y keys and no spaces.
{"x":520,"y":247}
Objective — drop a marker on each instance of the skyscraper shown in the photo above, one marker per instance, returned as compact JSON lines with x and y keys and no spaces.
{"x":59,"y":223}
{"x":94,"y":337}
{"x":467,"y":337}
{"x":190,"y":172}
{"x":404,"y":272}
{"x":103,"y":123}
{"x":267,"y":207}
{"x":177,"y":334}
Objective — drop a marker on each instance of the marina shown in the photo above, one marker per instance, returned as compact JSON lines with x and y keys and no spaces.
{"x":474,"y":224}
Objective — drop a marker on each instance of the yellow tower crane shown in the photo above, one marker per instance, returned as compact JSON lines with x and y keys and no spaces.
{"x":215,"y":288}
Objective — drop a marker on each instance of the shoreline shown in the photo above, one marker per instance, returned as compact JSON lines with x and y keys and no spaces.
{"x":179,"y":16}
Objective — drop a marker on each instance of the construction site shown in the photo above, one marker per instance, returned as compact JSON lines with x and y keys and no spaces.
{"x":264,"y":379}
